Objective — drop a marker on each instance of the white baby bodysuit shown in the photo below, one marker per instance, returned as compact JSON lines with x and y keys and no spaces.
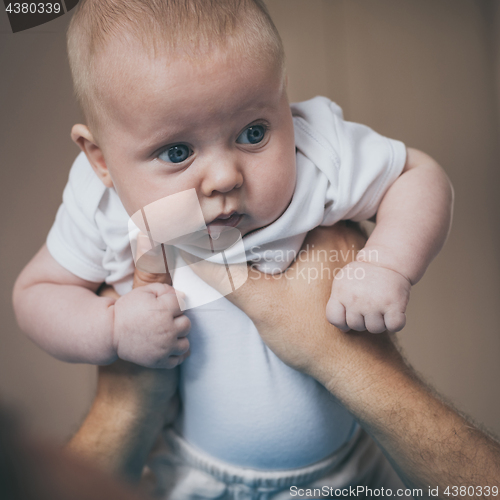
{"x":241,"y":404}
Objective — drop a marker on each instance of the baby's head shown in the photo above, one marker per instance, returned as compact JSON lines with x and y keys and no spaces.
{"x":183,"y":94}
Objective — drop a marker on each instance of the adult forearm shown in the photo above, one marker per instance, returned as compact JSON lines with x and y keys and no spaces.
{"x":69,"y":322}
{"x":428,"y":443}
{"x":131,"y":407}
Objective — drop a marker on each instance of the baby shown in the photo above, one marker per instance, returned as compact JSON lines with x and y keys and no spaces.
{"x":191,"y":94}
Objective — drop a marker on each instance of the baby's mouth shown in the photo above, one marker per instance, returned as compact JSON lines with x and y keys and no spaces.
{"x":218,"y":225}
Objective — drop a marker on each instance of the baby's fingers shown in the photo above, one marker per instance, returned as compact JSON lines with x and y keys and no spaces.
{"x":170,"y":302}
{"x":394,"y":321}
{"x":355,"y":321}
{"x":173,"y":361}
{"x":181,"y":347}
{"x":335,"y":314}
{"x":182,"y":325}
{"x":157,"y":289}
{"x":374,"y":323}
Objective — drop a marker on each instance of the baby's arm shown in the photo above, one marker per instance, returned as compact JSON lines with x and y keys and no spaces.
{"x":413,"y":221}
{"x":61,"y":313}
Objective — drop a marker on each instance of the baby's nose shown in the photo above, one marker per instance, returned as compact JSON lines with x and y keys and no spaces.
{"x":222,"y":177}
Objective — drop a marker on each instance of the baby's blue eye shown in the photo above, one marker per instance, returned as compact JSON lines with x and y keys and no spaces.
{"x":252,"y":135}
{"x":175,"y":154}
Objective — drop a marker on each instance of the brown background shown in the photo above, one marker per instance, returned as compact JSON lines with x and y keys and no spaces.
{"x":426,"y":72}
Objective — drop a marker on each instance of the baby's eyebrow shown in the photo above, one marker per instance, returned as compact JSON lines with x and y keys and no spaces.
{"x":162,"y":138}
{"x":178,"y":132}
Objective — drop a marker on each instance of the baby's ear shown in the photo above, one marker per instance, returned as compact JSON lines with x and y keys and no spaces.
{"x":82,"y":136}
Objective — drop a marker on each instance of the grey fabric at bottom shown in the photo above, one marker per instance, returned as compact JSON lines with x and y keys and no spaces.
{"x":178,"y":471}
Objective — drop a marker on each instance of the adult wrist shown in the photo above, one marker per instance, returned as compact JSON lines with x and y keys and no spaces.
{"x":361,"y":360}
{"x":135,"y":389}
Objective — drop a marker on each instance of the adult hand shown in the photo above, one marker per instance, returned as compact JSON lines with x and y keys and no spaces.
{"x":288,"y":310}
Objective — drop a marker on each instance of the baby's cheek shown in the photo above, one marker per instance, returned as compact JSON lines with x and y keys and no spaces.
{"x":275,"y":200}
{"x":285,"y":186}
{"x":274,"y":184}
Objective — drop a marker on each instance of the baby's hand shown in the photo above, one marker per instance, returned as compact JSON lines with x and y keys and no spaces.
{"x":368,"y":297}
{"x":150,"y":329}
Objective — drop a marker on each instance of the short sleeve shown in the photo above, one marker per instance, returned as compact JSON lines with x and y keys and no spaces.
{"x":360,"y":164}
{"x":74,"y":239}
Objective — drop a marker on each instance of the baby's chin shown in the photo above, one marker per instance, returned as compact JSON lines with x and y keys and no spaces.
{"x":217,"y":238}
{"x":257,"y":227}
{"x":209,"y":241}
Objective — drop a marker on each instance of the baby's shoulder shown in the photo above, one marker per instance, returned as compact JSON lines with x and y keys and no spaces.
{"x":318,"y":130}
{"x":84,"y":190}
{"x":317,"y":108}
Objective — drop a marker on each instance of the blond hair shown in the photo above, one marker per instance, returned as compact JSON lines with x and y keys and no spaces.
{"x":193,"y":27}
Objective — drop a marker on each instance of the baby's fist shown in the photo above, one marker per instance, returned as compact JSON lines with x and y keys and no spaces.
{"x":150,"y":329}
{"x":368,"y":297}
